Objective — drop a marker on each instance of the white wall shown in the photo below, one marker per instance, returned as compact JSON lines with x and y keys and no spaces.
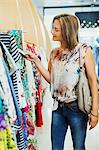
{"x":39,"y":6}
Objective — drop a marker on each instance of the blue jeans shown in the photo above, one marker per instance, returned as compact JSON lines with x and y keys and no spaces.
{"x":68,"y":116}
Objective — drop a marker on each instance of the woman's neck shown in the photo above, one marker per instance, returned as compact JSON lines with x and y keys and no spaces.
{"x":63,"y":46}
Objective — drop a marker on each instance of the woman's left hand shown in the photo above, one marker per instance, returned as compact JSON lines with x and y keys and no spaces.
{"x":93,"y":121}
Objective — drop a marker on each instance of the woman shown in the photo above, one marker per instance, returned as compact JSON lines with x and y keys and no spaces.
{"x":63,"y":75}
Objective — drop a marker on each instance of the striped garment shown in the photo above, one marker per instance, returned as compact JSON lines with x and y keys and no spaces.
{"x":10,"y":43}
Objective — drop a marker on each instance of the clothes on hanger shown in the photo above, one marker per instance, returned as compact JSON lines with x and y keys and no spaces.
{"x":25,"y":85}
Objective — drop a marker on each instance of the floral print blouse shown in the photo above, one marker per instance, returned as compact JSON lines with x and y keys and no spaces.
{"x":64,"y":68}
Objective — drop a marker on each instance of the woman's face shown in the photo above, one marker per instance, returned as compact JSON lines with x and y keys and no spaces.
{"x":56,"y":31}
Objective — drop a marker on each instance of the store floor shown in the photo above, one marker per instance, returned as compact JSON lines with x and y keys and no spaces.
{"x":44,"y":142}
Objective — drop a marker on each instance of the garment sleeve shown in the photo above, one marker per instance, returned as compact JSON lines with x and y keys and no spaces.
{"x":14,"y":50}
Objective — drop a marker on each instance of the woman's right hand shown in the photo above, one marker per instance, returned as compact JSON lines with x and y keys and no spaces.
{"x":31,"y":56}
{"x":93,"y":119}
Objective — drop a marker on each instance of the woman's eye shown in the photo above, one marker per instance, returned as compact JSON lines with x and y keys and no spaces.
{"x":57,"y":30}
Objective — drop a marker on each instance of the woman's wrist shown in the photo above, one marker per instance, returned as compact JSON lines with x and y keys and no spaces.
{"x":35,"y":59}
{"x":95,"y":108}
{"x":94,"y":113}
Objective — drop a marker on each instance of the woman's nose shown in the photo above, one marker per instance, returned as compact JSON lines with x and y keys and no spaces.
{"x":52,"y":31}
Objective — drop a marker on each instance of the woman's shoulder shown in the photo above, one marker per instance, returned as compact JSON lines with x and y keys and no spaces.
{"x":54,"y":52}
{"x":85,"y":48}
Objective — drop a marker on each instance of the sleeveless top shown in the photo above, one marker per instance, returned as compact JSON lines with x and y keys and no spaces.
{"x":65,"y":71}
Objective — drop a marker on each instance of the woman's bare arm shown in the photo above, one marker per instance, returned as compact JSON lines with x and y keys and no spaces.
{"x":90,"y":69}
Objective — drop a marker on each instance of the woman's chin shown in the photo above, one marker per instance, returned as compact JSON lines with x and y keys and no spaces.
{"x":55,"y":39}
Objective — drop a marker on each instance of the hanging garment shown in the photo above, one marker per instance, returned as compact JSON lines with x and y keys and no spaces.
{"x":25,"y":71}
{"x":31,"y":128}
{"x":17,"y":34}
{"x":3,"y":124}
{"x":10,"y":45}
{"x":17,"y":85}
{"x":18,"y":133}
{"x":37,"y":79}
{"x":33,"y":49}
{"x":18,"y":110}
{"x":7,"y":92}
{"x":8,"y":59}
{"x":9,"y":42}
{"x":6,"y":139}
{"x":24,"y":127}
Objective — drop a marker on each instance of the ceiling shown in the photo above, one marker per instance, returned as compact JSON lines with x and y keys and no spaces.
{"x":60,"y":3}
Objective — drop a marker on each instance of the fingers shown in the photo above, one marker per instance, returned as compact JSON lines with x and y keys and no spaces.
{"x":29,"y":58}
{"x":93,"y":122}
{"x":30,"y":55}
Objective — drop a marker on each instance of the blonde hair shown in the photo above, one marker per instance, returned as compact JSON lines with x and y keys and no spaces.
{"x":69,"y":28}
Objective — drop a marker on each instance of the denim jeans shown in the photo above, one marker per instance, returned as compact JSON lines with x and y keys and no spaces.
{"x":64,"y":117}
